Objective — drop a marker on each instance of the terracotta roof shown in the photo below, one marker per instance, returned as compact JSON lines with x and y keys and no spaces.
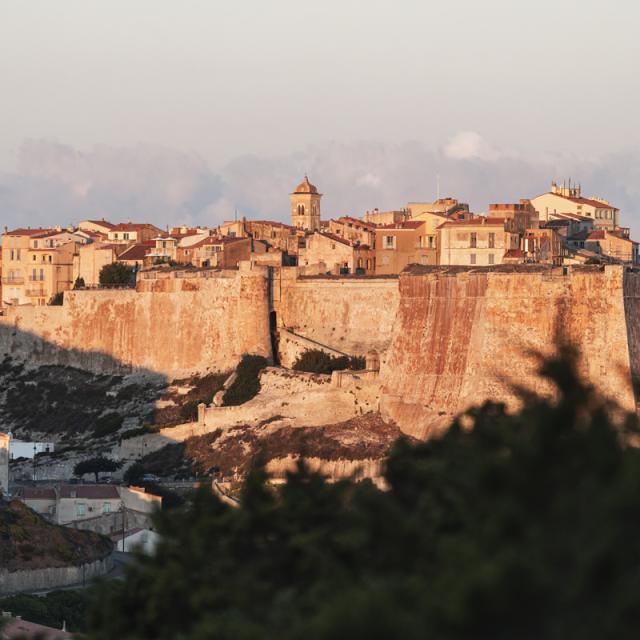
{"x":136,"y":251}
{"x":407,"y":224}
{"x":36,"y":493}
{"x":333,"y":236}
{"x":89,"y":491}
{"x":571,"y":216}
{"x":212,"y":240}
{"x":131,"y":226}
{"x":103,"y":223}
{"x":587,"y":201}
{"x":361,"y":223}
{"x":514,"y":253}
{"x":23,"y":629}
{"x":305,"y":187}
{"x":29,"y":232}
{"x":479,"y":221}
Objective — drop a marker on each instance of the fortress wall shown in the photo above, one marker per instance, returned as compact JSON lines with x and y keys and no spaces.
{"x":463,"y":336}
{"x":169,"y":326}
{"x":352,"y":315}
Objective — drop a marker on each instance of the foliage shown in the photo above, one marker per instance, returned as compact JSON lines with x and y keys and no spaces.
{"x":116,"y":273}
{"x":96,"y":466}
{"x":52,"y":609}
{"x":317,"y":361}
{"x":525,"y":526}
{"x":247,"y":382}
{"x":134,"y":473}
{"x":57,"y":299}
{"x":107,"y":424}
{"x":79,"y":283}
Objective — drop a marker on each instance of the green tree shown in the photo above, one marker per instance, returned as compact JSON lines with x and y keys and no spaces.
{"x":79,"y":283}
{"x":116,"y":273}
{"x":522,"y":525}
{"x":96,"y":465}
{"x":57,"y":299}
{"x":318,"y":361}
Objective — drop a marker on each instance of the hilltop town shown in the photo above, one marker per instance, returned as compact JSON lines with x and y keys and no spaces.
{"x":560,"y":227}
{"x":160,"y":360}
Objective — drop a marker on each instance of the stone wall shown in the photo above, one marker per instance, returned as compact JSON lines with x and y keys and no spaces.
{"x":466,"y":335}
{"x":347,"y":314}
{"x":170,"y":326}
{"x":52,"y":578}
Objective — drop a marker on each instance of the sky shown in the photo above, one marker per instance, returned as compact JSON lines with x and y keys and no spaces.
{"x":190,"y":111}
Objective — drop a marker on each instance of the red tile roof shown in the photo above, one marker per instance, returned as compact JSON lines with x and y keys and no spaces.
{"x":29,"y":232}
{"x":361,"y":223}
{"x":587,"y":201}
{"x":89,"y":491}
{"x":36,"y":493}
{"x":103,"y":223}
{"x":23,"y":629}
{"x":131,"y":226}
{"x":136,"y":251}
{"x":335,"y":238}
{"x":514,"y":253}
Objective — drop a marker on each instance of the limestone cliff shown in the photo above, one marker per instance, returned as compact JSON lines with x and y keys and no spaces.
{"x":466,"y":335}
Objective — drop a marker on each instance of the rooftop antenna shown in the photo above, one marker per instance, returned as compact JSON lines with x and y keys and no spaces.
{"x":437,"y":186}
{"x":236,"y":215}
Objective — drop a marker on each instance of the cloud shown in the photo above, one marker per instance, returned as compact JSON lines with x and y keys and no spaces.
{"x":57,"y":184}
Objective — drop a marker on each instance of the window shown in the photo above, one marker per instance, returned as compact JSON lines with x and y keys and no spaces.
{"x":389,"y":242}
{"x":430,"y":242}
{"x":125,"y":236}
{"x":300,"y":209}
{"x":491,"y":258}
{"x":41,"y":274}
{"x":106,"y":507}
{"x":492,"y":241}
{"x":473,"y":241}
{"x":472,"y":258}
{"x":81,"y":509}
{"x":35,"y":244}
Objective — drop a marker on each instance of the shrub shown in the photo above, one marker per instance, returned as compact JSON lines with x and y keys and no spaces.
{"x":107,"y":424}
{"x":116,"y":273}
{"x":247,"y":384}
{"x":79,"y":283}
{"x":96,"y":466}
{"x":317,"y":361}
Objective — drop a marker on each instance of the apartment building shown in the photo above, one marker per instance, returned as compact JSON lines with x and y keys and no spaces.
{"x":403,"y":243}
{"x":480,"y":241}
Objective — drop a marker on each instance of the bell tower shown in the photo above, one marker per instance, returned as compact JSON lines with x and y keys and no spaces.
{"x":305,"y":206}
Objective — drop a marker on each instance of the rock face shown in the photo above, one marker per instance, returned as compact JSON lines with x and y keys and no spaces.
{"x":466,"y":335}
{"x":171,"y":327}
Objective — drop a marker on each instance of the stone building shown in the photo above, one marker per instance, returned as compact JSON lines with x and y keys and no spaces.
{"x":305,"y":206}
{"x":568,"y":199}
{"x":353,"y":230}
{"x":518,"y":216}
{"x":403,"y":243}
{"x":329,"y":253}
{"x":479,"y":241}
{"x":131,"y":233}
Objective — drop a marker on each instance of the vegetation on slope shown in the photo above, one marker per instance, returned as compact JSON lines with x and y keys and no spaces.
{"x":247,"y":382}
{"x":28,"y":541}
{"x":524,"y":526}
{"x":317,"y":361}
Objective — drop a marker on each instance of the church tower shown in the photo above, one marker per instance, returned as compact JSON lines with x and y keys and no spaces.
{"x":305,"y":206}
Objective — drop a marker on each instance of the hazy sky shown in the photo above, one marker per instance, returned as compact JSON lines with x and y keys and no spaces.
{"x":177,"y":108}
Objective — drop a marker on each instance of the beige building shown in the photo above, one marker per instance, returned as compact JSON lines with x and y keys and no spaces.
{"x":445,"y":206}
{"x":353,"y":230}
{"x":378,"y":217}
{"x":73,"y":503}
{"x":305,"y":206}
{"x":563,"y":199}
{"x":37,"y":264}
{"x":403,"y":243}
{"x":606,"y":243}
{"x":91,"y":258}
{"x":97,"y":226}
{"x":132,"y":233}
{"x":518,"y":216}
{"x":479,"y":241}
{"x":328,"y":253}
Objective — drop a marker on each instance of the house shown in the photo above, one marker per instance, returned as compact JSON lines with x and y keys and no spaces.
{"x":91,"y":258}
{"x":479,"y":241}
{"x":136,"y":254}
{"x":137,"y":539}
{"x":97,"y":226}
{"x":74,"y":503}
{"x":224,"y":252}
{"x":403,"y":243}
{"x":329,"y":253}
{"x":353,"y":230}
{"x":518,"y":216}
{"x":612,"y":244}
{"x":543,"y":245}
{"x":386,"y":217}
{"x":132,"y":233}
{"x":568,"y":199}
{"x":444,"y":206}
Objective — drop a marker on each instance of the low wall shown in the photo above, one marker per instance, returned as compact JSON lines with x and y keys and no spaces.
{"x":52,"y":578}
{"x":292,"y":346}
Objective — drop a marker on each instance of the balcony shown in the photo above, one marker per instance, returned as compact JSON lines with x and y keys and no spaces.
{"x":13,"y":281}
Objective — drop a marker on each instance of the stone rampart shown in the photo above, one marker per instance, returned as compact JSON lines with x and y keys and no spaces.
{"x":172,"y":326}
{"x":347,"y":314}
{"x":466,"y":335}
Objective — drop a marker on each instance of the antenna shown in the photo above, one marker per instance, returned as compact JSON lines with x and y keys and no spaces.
{"x":437,"y":186}
{"x":236,"y":215}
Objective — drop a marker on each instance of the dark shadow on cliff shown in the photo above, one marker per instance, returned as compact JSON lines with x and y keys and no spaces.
{"x":50,"y":389}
